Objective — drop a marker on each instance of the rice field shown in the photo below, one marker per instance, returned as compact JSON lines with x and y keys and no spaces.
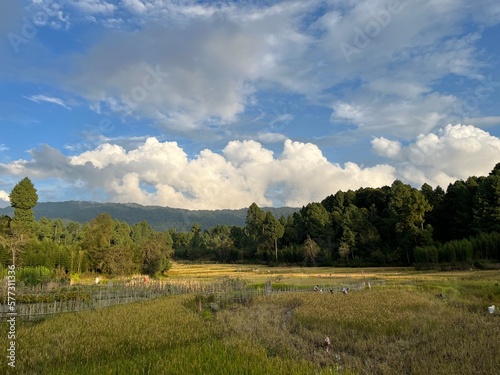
{"x":413,"y":323}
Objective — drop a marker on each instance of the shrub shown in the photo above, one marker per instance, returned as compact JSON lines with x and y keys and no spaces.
{"x":34,"y":275}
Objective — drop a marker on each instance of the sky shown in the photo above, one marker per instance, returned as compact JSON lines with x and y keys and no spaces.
{"x":219,"y":104}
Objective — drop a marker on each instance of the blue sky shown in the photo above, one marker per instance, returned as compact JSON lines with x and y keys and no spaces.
{"x":218,"y":104}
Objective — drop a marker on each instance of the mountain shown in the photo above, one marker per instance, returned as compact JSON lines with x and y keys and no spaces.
{"x":158,"y":217}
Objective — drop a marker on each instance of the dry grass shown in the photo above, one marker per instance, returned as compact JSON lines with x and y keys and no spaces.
{"x":415,"y":323}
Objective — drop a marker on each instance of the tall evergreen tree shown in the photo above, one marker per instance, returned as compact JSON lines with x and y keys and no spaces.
{"x":23,"y":198}
{"x":273,"y":230}
{"x":254,"y":221}
{"x":407,"y":207}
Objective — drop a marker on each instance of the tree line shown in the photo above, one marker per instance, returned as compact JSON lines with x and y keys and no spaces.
{"x":391,"y":225}
{"x":103,"y":245}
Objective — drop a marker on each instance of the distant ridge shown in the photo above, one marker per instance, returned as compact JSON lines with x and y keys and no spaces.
{"x":160,"y":218}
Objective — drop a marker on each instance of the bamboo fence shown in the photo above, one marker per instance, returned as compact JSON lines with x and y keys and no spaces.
{"x":37,"y":302}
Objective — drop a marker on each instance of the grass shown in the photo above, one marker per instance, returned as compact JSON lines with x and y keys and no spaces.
{"x":414,"y":323}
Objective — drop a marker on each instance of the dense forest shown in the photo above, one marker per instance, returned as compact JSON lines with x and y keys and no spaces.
{"x":391,"y":225}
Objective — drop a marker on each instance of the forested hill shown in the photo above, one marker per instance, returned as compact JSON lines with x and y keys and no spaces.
{"x":160,"y":218}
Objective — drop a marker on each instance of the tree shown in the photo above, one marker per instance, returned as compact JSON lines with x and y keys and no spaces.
{"x":273,"y":230}
{"x":109,"y":246}
{"x":220,"y":242}
{"x":254,"y":221}
{"x":316,"y":220}
{"x":197,"y":242}
{"x":156,"y":253}
{"x":311,"y":250}
{"x":23,"y":198}
{"x":457,"y":214}
{"x":180,"y":243}
{"x":141,"y":231}
{"x":290,"y":235}
{"x":486,"y":208}
{"x":254,"y":229}
{"x":45,"y":229}
{"x":437,"y":216}
{"x":74,"y":231}
{"x":408,"y":207}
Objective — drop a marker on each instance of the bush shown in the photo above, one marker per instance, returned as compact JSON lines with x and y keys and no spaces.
{"x":34,"y":275}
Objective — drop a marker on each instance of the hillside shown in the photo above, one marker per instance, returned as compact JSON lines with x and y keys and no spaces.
{"x":158,"y":217}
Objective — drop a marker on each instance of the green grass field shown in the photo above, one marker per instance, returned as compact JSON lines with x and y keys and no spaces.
{"x":409,"y":323}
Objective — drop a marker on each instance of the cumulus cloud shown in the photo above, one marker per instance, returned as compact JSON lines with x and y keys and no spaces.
{"x":161,"y":173}
{"x":442,"y":157}
{"x":386,"y":147}
{"x":4,"y":196}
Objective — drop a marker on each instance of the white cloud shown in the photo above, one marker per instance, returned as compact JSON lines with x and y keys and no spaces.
{"x":94,"y":7}
{"x":180,"y":82}
{"x":270,"y":137}
{"x":161,"y":173}
{"x":229,"y":53}
{"x":136,"y":6}
{"x":282,"y":118}
{"x":454,"y":152}
{"x":4,"y":196}
{"x":401,"y":118}
{"x":386,"y":147}
{"x":200,"y":68}
{"x":47,"y":99}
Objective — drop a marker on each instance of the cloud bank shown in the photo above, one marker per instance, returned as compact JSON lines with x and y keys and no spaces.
{"x":452,"y":153}
{"x":162,"y":173}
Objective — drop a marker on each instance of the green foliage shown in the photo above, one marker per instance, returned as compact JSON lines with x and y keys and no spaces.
{"x":390,"y":225}
{"x":109,"y":246}
{"x":254,"y":221}
{"x":156,"y":252}
{"x":53,"y":297}
{"x":24,"y":196}
{"x":460,"y":252}
{"x":263,"y":230}
{"x":316,"y":220}
{"x":160,"y":218}
{"x":34,"y":275}
{"x":311,"y":250}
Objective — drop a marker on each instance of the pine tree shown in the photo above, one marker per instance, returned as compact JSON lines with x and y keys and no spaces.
{"x":23,"y":198}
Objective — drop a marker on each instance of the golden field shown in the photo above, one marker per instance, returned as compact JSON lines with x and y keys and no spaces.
{"x":408,"y":323}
